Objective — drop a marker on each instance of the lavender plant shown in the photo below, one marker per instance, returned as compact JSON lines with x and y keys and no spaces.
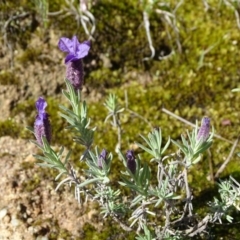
{"x":157,"y":207}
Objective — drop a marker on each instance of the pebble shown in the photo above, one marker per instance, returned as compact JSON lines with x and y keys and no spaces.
{"x":29,"y":220}
{"x":3,"y":213}
{"x":14,"y":221}
{"x":42,"y":238}
{"x":6,"y":219}
{"x":30,"y":229}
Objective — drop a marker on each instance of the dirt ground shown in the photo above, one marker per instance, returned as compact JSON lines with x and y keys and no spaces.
{"x":34,"y":214}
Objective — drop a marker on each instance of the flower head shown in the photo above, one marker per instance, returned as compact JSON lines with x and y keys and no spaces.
{"x":204,"y":130}
{"x":102,"y":157}
{"x":131,"y":162}
{"x":76,"y":51}
{"x":42,"y":125}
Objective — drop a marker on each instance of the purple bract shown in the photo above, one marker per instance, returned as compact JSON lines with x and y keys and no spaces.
{"x":74,"y":49}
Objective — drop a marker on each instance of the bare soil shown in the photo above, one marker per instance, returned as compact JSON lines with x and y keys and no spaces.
{"x":36,"y":213}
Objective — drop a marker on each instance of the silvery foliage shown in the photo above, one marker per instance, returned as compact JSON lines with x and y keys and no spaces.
{"x":159,"y":207}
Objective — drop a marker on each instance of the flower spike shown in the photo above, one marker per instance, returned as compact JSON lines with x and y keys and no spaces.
{"x":42,"y":125}
{"x":76,"y":51}
{"x":131,"y":161}
{"x":204,"y":130}
{"x":102,"y":158}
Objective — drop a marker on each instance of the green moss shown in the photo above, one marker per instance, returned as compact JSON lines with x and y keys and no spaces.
{"x":27,"y":107}
{"x":30,"y":55}
{"x":110,"y":230}
{"x":41,"y":173}
{"x":27,"y":165}
{"x":8,"y":78}
{"x":31,"y":184}
{"x":106,"y":78}
{"x":10,"y":128}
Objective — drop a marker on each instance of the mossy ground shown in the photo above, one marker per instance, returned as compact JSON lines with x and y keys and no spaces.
{"x":191,"y":84}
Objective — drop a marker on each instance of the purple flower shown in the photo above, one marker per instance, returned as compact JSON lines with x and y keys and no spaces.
{"x":131,"y":162}
{"x":42,"y":125}
{"x":204,"y":130}
{"x":102,"y":157}
{"x":76,"y":51}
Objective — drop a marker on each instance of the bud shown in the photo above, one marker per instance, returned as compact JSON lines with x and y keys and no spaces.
{"x":131,"y":162}
{"x":204,"y":130}
{"x":42,"y":125}
{"x":76,"y":51}
{"x":102,"y":157}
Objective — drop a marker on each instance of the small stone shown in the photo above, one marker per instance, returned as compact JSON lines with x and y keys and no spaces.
{"x":42,"y":238}
{"x":15,"y":222}
{"x":3,"y":213}
{"x":6,"y":219}
{"x":29,"y":220}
